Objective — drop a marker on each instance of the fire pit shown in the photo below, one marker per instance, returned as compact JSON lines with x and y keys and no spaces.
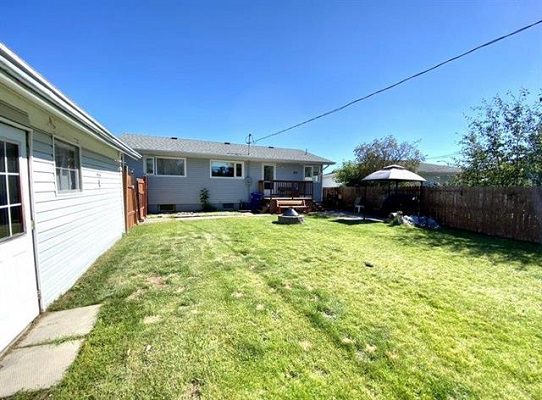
{"x":290,"y":216}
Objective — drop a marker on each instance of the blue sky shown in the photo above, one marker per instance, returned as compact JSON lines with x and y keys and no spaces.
{"x":220,"y":70}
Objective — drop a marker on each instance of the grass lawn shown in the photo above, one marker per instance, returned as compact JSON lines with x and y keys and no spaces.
{"x":246,"y":309}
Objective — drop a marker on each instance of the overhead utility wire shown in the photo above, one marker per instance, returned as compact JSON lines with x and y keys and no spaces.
{"x":401,"y":81}
{"x":444,"y":156}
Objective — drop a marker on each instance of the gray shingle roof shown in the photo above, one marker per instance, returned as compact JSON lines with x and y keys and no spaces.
{"x":437,"y":168}
{"x":193,"y":147}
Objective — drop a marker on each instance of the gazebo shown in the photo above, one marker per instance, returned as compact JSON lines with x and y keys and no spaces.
{"x":395,"y":173}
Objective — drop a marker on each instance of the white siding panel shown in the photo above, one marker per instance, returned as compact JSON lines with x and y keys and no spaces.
{"x":74,"y":229}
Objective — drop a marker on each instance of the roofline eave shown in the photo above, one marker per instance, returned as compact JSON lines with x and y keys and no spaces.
{"x":21,"y":78}
{"x":242,"y":157}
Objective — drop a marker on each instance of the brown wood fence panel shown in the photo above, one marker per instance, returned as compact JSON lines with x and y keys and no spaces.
{"x":142,"y":198}
{"x":135,"y":199}
{"x":510,"y":212}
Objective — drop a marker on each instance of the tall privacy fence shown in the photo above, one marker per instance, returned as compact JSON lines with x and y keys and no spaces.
{"x":135,"y":198}
{"x":510,"y":212}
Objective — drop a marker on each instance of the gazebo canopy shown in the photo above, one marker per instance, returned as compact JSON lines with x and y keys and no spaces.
{"x":394,"y":173}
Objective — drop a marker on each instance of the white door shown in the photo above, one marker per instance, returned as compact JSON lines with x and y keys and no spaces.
{"x":18,"y":293}
{"x":268,"y":178}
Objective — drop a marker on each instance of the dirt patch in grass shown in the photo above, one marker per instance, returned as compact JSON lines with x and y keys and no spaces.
{"x":136,"y":294}
{"x":305,"y":345}
{"x":193,"y":390}
{"x":151,"y":319}
{"x":156,"y":281}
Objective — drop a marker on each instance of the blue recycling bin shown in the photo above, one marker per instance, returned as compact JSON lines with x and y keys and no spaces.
{"x":256,"y":200}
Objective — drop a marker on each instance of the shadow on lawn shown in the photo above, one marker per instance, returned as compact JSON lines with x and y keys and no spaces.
{"x":475,"y":244}
{"x":346,"y":221}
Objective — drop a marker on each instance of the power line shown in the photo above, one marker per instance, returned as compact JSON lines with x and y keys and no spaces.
{"x":449,"y":60}
{"x":444,"y":156}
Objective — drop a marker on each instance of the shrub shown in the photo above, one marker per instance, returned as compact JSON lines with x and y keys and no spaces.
{"x":204,"y":200}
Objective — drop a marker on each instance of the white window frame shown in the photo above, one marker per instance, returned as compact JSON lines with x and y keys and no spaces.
{"x":305,"y":178}
{"x":234,"y":169}
{"x":155,"y":166}
{"x":313,"y":178}
{"x":274,"y":170}
{"x":145,"y":158}
{"x":316,"y":178}
{"x":8,"y":205}
{"x":80,"y":151}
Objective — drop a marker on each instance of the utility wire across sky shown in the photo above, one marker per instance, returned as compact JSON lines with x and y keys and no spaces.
{"x":425,"y":71}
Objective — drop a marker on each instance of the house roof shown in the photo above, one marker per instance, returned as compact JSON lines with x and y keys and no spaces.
{"x":437,"y":169}
{"x":204,"y":148}
{"x":18,"y":75}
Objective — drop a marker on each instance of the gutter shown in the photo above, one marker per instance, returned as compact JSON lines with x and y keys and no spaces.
{"x":232,"y":157}
{"x":37,"y":87}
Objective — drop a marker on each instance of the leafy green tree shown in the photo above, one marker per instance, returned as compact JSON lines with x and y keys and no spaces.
{"x":503,"y":143}
{"x":370,"y":157}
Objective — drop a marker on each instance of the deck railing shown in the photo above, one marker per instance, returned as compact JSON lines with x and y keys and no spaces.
{"x":282,"y":188}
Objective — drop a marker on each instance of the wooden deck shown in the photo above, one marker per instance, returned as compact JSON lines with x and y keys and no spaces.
{"x":286,"y":189}
{"x":277,"y":190}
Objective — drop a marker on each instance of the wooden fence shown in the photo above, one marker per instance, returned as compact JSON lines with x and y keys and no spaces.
{"x":510,"y":212}
{"x":135,"y":199}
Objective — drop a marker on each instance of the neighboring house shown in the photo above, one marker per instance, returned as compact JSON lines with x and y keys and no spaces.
{"x":178,"y":169}
{"x":328,"y":181}
{"x":437,"y":173}
{"x":61,"y":193}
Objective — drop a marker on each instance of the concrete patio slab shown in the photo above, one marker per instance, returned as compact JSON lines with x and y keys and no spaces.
{"x":351,"y":220}
{"x":192,"y":216}
{"x":36,"y":367}
{"x":61,"y":324}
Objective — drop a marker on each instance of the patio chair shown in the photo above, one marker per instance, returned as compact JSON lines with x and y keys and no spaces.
{"x":358,"y":206}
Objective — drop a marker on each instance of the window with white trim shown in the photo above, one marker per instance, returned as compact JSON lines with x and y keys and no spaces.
{"x":11,"y":208}
{"x":67,"y":167}
{"x":149,"y":165}
{"x":311,"y":173}
{"x":316,"y":173}
{"x":170,"y":166}
{"x":227,"y":169}
{"x":308,"y":172}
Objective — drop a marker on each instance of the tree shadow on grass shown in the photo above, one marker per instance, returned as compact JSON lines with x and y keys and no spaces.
{"x":333,"y":214}
{"x":497,"y":249}
{"x":346,"y":221}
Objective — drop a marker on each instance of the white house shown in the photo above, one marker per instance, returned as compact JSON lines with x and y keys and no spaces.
{"x":61,"y":201}
{"x":178,"y":169}
{"x":329,"y":181}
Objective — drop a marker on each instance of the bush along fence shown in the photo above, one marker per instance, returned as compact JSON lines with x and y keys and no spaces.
{"x":509,"y":212}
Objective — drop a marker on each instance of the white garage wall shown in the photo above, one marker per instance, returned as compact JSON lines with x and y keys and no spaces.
{"x":74,"y":229}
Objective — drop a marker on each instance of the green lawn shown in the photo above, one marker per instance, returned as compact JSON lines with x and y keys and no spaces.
{"x":246,"y":309}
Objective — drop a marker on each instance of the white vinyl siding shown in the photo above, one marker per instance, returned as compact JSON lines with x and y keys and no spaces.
{"x":74,"y":229}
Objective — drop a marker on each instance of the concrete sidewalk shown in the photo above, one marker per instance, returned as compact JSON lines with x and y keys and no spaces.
{"x":40,"y":359}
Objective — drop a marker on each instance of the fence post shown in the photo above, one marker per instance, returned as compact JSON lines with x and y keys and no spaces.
{"x":125,"y":196}
{"x":146,"y":197}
